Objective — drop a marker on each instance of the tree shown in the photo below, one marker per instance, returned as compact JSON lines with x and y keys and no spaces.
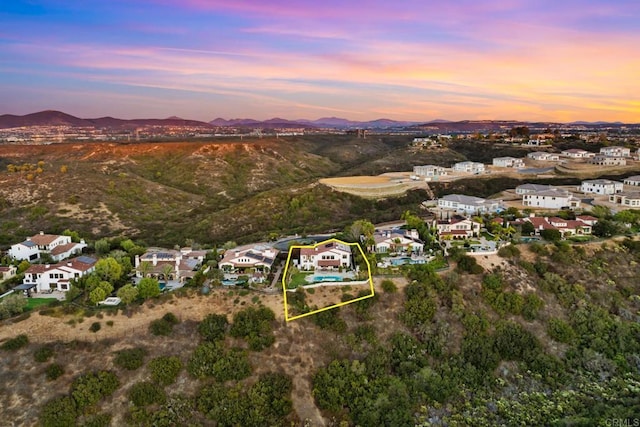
{"x":167,"y":271}
{"x":605,"y":228}
{"x":361,"y":227}
{"x":75,"y":237}
{"x":148,"y":288}
{"x":23,"y":266}
{"x":128,"y":293}
{"x":109,"y":269}
{"x":102,"y":246}
{"x":527,"y":229}
{"x":551,"y":235}
{"x":145,"y":268}
{"x":213,"y":327}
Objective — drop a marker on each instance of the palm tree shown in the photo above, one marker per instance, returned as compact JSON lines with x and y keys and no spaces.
{"x":145,"y":268}
{"x":167,"y":271}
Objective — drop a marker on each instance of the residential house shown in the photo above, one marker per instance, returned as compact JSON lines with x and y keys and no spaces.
{"x":633,"y":180}
{"x":59,"y":247}
{"x":325,"y":256}
{"x":544,"y":156}
{"x":7,"y":272}
{"x":604,"y":160}
{"x":50,"y":277}
{"x":615,"y":151}
{"x":566,"y":227}
{"x":469,"y":204}
{"x":508,"y":162}
{"x":601,"y":186}
{"x":576,"y":153}
{"x":167,"y":264}
{"x":551,"y":198}
{"x":397,"y":240}
{"x":469,"y":167}
{"x":532,"y":188}
{"x":629,"y":199}
{"x":456,"y":227}
{"x":428,"y":171}
{"x":254,"y":257}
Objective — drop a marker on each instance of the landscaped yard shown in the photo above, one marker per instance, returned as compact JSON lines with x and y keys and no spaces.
{"x":298,"y":279}
{"x":37,"y":302}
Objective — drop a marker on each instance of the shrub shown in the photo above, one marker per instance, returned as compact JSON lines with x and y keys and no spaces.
{"x":388,"y":286}
{"x":54,"y":371}
{"x":60,"y":411}
{"x":513,"y":342}
{"x":532,"y":305}
{"x":98,"y":420}
{"x":89,"y":388}
{"x":213,"y":327}
{"x":130,"y":358}
{"x":43,"y":354}
{"x":560,"y":331}
{"x":331,"y":320}
{"x":170,"y":318}
{"x":147,"y":393}
{"x":470,"y":265}
{"x":211,"y":360}
{"x":109,"y":322}
{"x":254,"y":325}
{"x":95,"y":327}
{"x":509,"y":251}
{"x":165,"y":369}
{"x":14,"y":344}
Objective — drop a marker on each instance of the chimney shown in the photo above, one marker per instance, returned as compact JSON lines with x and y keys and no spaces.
{"x":41,"y":233}
{"x":47,"y":265}
{"x":69,"y":264}
{"x":154,"y":260}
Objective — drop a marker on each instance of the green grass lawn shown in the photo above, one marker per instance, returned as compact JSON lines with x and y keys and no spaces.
{"x":298,"y":279}
{"x":37,"y":302}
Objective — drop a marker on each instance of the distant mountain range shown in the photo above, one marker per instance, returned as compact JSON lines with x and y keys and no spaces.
{"x":57,"y":118}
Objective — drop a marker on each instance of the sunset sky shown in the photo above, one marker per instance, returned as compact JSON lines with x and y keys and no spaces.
{"x":560,"y":60}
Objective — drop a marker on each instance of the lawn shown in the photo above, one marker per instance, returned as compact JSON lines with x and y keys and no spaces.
{"x":37,"y":302}
{"x":298,"y":279}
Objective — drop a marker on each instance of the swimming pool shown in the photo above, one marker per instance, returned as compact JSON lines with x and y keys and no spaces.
{"x":314,"y":278}
{"x":400,"y":261}
{"x":162,"y":285}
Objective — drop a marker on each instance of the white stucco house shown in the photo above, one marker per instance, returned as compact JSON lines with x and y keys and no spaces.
{"x":601,"y":186}
{"x":59,"y":247}
{"x":397,"y":240}
{"x":544,"y":156}
{"x":508,"y":162}
{"x":469,"y":167}
{"x":469,"y":204}
{"x":615,"y":151}
{"x":252,"y":257}
{"x":628,"y":199}
{"x":48,"y":277}
{"x":456,"y":227}
{"x":7,"y":272}
{"x":604,"y":160}
{"x":632,"y":180}
{"x":325,"y":256}
{"x":551,"y":198}
{"x":428,"y":171}
{"x":576,"y":153}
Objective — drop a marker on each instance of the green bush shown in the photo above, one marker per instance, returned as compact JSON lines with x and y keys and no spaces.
{"x":255,"y":326}
{"x":165,"y":369}
{"x":98,"y":420}
{"x":509,"y":251}
{"x":331,"y":320}
{"x":130,"y":358}
{"x":389,"y":286}
{"x":146,"y":393}
{"x":170,"y":318}
{"x":14,"y":344}
{"x":58,"y":412}
{"x":88,"y":389}
{"x":532,"y":305}
{"x":213,"y":327}
{"x":469,"y":264}
{"x":212,"y":360}
{"x":514,"y":342}
{"x":54,"y":371}
{"x":95,"y":327}
{"x":43,"y":354}
{"x":560,"y":331}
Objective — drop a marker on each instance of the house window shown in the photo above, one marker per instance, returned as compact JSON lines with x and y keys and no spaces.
{"x":64,"y":287}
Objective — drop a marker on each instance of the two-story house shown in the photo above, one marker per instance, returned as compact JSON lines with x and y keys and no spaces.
{"x":325,"y":256}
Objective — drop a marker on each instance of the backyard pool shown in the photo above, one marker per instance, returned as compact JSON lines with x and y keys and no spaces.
{"x":162,"y":285}
{"x":406,"y":260}
{"x":314,"y":278}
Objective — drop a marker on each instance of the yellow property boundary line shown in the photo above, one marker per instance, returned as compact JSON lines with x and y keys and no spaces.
{"x":284,"y":280}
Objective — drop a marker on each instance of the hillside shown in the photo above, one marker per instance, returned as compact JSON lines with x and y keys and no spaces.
{"x":165,"y":193}
{"x":549,"y":336}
